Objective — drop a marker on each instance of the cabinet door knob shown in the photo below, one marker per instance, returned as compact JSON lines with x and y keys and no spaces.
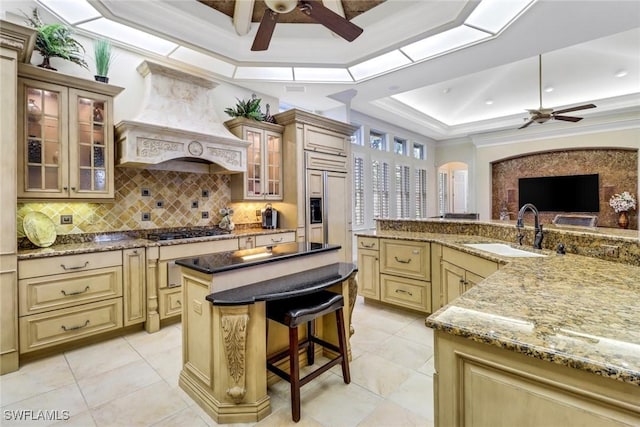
{"x":65,"y":188}
{"x":73,"y":188}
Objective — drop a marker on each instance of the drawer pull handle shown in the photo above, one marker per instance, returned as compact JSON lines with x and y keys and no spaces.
{"x":74,"y":293}
{"x":403,"y":261}
{"x":276,"y":240}
{"x":415,"y":251}
{"x":73,"y":328}
{"x":364,"y":245}
{"x":86,"y":263}
{"x":402,"y":291}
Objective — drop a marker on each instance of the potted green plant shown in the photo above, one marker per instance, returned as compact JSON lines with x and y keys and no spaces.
{"x":249,"y":109}
{"x":103,"y":55}
{"x":55,"y":41}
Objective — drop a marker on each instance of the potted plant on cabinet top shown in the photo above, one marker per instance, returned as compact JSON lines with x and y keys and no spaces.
{"x":103,"y":55}
{"x":55,"y":41}
{"x":249,"y":109}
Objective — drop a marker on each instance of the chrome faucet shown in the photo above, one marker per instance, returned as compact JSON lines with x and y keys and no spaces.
{"x":537,"y":242}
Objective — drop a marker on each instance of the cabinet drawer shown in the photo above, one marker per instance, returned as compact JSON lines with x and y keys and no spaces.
{"x":65,"y":290}
{"x":368,"y":243}
{"x":56,"y":327}
{"x":170,"y":303}
{"x":405,"y":258}
{"x":199,"y":248}
{"x":410,"y":293}
{"x":324,"y":140}
{"x":275,"y":238}
{"x":327,"y":162}
{"x":67,"y":264}
{"x":477,"y":265}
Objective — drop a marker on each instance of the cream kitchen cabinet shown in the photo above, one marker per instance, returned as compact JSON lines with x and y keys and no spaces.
{"x":405,"y":273}
{"x":263,"y":179}
{"x":273,"y":239}
{"x":317,"y":201}
{"x":368,"y":267}
{"x":460,"y":271}
{"x":65,"y":298}
{"x":396,"y":272}
{"x":134,"y":286}
{"x":65,"y":136}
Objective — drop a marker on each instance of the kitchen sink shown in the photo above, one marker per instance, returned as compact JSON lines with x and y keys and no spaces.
{"x":502,"y":249}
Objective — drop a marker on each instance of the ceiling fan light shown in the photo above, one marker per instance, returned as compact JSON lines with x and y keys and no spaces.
{"x":281,"y":6}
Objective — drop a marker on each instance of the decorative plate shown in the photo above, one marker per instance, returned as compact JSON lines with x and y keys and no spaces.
{"x":39,"y":228}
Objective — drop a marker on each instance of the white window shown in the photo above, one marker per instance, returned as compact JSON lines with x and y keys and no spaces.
{"x":357,"y":138}
{"x":400,"y":146}
{"x":421,"y":193}
{"x":418,"y":151}
{"x":402,"y":191}
{"x":377,"y":141}
{"x":380,"y":183}
{"x":443,"y":193}
{"x":358,"y":190}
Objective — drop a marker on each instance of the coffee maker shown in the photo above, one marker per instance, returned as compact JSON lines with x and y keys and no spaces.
{"x":269,"y":216}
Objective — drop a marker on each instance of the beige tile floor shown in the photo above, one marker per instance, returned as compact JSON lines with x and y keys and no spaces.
{"x":133,"y":381}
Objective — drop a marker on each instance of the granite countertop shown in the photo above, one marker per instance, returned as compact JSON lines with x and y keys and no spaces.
{"x":293,"y":285}
{"x":123,"y":240}
{"x":572,"y":310}
{"x":226,"y":261}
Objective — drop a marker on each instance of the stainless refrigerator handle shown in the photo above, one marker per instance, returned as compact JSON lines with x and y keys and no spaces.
{"x":325,"y":205}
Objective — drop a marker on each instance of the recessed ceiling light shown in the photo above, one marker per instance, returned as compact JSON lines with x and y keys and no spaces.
{"x":446,"y":90}
{"x":489,"y":102}
{"x":548,"y":89}
{"x":394,"y":88}
{"x":621,"y":73}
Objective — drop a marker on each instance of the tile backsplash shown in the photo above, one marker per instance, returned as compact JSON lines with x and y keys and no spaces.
{"x":168,"y":199}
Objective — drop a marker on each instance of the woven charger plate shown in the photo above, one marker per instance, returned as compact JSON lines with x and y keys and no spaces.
{"x":39,"y":228}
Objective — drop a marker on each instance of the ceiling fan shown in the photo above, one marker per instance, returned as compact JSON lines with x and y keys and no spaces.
{"x":313,"y":8}
{"x":542,"y":115}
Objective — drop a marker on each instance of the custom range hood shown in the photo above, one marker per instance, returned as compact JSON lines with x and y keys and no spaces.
{"x":177,"y":127}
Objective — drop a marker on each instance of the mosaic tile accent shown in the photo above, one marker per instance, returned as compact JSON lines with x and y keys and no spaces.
{"x":618,"y":169}
{"x":177,"y":191}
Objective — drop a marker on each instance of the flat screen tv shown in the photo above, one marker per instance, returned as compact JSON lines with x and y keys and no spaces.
{"x":572,"y":193}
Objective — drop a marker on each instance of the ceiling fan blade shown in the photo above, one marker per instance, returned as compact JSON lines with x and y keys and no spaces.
{"x":579,"y":107}
{"x":526,"y":124}
{"x":265,"y":30}
{"x":567,"y":118}
{"x":325,"y":16}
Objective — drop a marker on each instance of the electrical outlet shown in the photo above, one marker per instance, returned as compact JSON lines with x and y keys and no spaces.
{"x":205,"y":215}
{"x":145,"y":192}
{"x":194,"y":204}
{"x":159,"y":204}
{"x":611,"y":251}
{"x":258,"y":212}
{"x":66,"y":219}
{"x":205,"y":193}
{"x":146,"y":216}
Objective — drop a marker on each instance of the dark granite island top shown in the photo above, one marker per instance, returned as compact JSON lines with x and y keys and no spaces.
{"x":292,"y":285}
{"x":226,"y":261}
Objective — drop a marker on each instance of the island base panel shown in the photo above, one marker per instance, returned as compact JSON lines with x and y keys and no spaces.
{"x":480,"y":384}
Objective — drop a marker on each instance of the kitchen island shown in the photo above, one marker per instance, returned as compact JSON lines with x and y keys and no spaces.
{"x":544,"y":340}
{"x":224,"y":326}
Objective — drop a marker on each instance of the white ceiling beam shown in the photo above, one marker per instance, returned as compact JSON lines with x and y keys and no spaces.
{"x":242,"y":12}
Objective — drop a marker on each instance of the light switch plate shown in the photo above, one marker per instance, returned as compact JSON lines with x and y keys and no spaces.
{"x":66,"y":219}
{"x":146,"y":216}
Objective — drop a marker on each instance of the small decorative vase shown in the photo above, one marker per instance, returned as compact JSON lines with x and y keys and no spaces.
{"x":623,"y":219}
{"x":103,"y":79}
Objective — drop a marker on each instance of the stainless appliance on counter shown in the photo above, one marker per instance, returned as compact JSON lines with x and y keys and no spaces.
{"x":269,"y":216}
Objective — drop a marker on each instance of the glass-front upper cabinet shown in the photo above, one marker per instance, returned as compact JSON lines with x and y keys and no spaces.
{"x":65,"y":147}
{"x":263,"y":179}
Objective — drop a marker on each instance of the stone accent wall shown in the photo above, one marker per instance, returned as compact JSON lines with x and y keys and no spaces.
{"x":618,"y":170}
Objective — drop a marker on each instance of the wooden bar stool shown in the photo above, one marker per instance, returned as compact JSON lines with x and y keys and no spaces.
{"x":296,"y":311}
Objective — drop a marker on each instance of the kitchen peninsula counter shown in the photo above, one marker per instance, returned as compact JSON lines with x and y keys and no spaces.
{"x":558,"y":337}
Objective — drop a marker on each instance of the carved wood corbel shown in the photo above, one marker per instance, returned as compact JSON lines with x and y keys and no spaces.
{"x":234,"y":322}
